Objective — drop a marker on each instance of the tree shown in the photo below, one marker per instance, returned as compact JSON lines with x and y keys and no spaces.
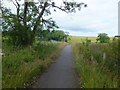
{"x":29,"y":18}
{"x":58,"y":35}
{"x":45,"y":34}
{"x":103,"y":38}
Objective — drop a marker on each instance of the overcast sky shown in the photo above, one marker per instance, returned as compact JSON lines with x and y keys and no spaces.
{"x":101,"y":16}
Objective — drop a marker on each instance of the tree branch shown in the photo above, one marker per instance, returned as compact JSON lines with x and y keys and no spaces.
{"x":38,"y":18}
{"x":59,"y":8}
{"x":14,"y":3}
{"x":17,"y":7}
{"x":25,"y":12}
{"x":17,"y":3}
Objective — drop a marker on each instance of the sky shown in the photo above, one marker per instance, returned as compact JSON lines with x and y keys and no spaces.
{"x":101,"y":16}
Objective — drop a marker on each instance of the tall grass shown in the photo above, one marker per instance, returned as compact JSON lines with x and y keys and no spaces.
{"x":21,"y":66}
{"x":96,"y":64}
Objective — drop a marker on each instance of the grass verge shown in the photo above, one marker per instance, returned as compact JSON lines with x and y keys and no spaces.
{"x":21,"y":66}
{"x":92,"y":65}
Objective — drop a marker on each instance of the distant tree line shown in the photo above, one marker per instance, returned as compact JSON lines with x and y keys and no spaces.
{"x":58,"y":35}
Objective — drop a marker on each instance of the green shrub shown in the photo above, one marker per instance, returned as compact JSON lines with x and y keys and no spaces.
{"x":103,"y":38}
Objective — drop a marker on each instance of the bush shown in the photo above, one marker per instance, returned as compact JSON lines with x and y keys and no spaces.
{"x":103,"y":38}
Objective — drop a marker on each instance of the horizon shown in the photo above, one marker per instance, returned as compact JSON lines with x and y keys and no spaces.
{"x":90,"y":36}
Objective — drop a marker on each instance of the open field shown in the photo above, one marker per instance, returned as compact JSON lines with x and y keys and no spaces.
{"x":83,"y":38}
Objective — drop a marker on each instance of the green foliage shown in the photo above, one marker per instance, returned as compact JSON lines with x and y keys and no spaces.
{"x":20,"y":65}
{"x":45,"y":35}
{"x":87,"y":42}
{"x":17,"y":33}
{"x":20,"y":37}
{"x":57,"y":35}
{"x":97,"y":64}
{"x":103,"y":38}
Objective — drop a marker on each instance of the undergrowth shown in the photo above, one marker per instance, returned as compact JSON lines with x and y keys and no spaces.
{"x":97,"y":64}
{"x":21,"y":65}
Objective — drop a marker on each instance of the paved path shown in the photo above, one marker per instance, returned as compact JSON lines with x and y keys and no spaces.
{"x":60,"y":74}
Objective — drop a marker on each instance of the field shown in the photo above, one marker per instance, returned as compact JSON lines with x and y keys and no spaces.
{"x":97,"y":64}
{"x":80,"y":39}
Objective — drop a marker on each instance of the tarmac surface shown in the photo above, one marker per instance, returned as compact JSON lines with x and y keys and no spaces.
{"x":61,"y":74}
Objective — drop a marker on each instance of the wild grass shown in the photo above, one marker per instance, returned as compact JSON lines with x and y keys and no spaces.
{"x":22,"y":65}
{"x":96,"y":64}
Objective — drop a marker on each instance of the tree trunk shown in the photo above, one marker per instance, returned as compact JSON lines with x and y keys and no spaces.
{"x":38,"y":18}
{"x":25,"y":13}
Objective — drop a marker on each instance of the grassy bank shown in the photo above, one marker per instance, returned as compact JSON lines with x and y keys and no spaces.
{"x":97,"y":64}
{"x":22,"y":65}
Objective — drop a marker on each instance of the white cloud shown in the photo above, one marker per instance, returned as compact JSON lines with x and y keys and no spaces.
{"x":99,"y":16}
